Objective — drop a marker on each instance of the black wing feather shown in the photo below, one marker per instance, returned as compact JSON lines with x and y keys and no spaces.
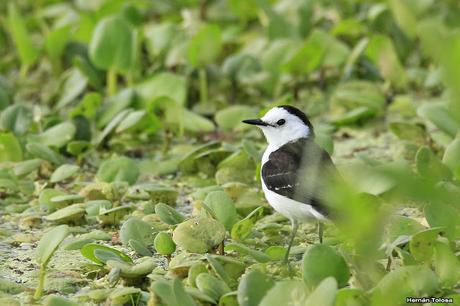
{"x":298,"y":170}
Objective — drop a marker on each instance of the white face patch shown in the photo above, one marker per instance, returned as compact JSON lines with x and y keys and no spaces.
{"x":292,"y":129}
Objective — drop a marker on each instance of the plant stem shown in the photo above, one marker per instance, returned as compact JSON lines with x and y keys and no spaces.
{"x":111,"y":81}
{"x":41,"y":283}
{"x":203,"y":86}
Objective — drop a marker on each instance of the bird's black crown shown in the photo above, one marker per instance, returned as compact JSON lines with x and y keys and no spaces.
{"x":297,"y":112}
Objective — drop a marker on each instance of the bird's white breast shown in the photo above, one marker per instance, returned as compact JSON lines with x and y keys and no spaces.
{"x":291,"y":209}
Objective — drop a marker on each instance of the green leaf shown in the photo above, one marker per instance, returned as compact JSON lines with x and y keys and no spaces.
{"x":28,"y":52}
{"x":56,"y":42}
{"x":211,"y":286}
{"x":402,"y":282}
{"x":230,"y":118}
{"x":351,"y":297}
{"x":168,"y":214}
{"x":322,"y":261}
{"x":55,"y":300}
{"x":16,"y":118}
{"x":130,"y":120}
{"x":113,"y":44}
{"x":253,"y":287}
{"x":403,"y":13}
{"x":49,"y":243}
{"x":381,"y":51}
{"x":446,"y":264}
{"x":223,"y":208}
{"x":440,"y":116}
{"x":181,"y":296}
{"x":164,"y":84}
{"x":63,"y":172}
{"x":452,"y":157}
{"x":99,"y":254}
{"x":199,"y":235}
{"x":245,"y":250}
{"x":285,"y":292}
{"x":324,"y":294}
{"x":164,"y":244}
{"x":58,"y":135}
{"x":422,"y":244}
{"x":443,"y":215}
{"x":410,"y":132}
{"x":243,"y":228}
{"x":10,"y":149}
{"x":134,"y":229}
{"x":42,"y":151}
{"x":118,"y":170}
{"x":205,"y":46}
{"x":430,"y":167}
{"x":74,"y":85}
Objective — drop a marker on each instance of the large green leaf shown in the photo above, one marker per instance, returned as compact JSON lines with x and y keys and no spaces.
{"x":118,"y":169}
{"x":205,"y":46}
{"x":49,"y":243}
{"x":10,"y":149}
{"x":113,"y":44}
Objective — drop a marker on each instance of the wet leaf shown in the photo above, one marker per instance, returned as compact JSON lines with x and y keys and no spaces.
{"x":100,"y":254}
{"x":253,"y":287}
{"x":49,"y":243}
{"x":322,"y":261}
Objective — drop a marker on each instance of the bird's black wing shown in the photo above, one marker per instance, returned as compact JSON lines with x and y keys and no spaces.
{"x":298,"y":170}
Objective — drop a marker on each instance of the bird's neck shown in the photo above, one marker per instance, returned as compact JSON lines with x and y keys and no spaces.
{"x":277,"y":141}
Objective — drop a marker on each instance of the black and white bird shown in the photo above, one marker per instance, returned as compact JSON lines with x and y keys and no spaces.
{"x":295,"y":169}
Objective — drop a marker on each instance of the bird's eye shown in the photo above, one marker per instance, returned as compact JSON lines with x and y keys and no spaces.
{"x":281,"y":122}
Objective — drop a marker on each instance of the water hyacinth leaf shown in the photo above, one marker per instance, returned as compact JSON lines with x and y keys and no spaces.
{"x":447,"y":265}
{"x":211,"y":286}
{"x":139,"y":269}
{"x":222,"y":207}
{"x":163,"y":84}
{"x":164,"y":244}
{"x":276,"y":252}
{"x":130,"y":120}
{"x":443,"y":215}
{"x":195,"y":123}
{"x":243,"y":228}
{"x":63,"y":172}
{"x":114,"y":215}
{"x":114,"y":106}
{"x":253,"y":287}
{"x":199,"y":235}
{"x":181,"y":296}
{"x":49,"y":242}
{"x":135,"y":232}
{"x":16,"y":118}
{"x":58,"y":135}
{"x":70,"y":214}
{"x":245,"y":250}
{"x":382,"y":53}
{"x":10,"y":149}
{"x":123,"y":295}
{"x":410,"y":132}
{"x":230,"y":118}
{"x":42,"y":151}
{"x":99,"y":254}
{"x":168,"y":214}
{"x":74,"y":84}
{"x":205,"y":46}
{"x":28,"y":52}
{"x":452,"y":157}
{"x":121,"y":169}
{"x":351,"y":297}
{"x":285,"y":292}
{"x":322,"y":261}
{"x":406,"y":19}
{"x":55,"y":300}
{"x":429,"y":166}
{"x":220,"y":271}
{"x":439,"y":115}
{"x":402,"y":282}
{"x":27,"y":166}
{"x":324,"y":294}
{"x":113,"y":44}
{"x":188,"y":164}
{"x":422,"y":244}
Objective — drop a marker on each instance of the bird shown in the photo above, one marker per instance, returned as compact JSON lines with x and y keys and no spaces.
{"x":295,"y":170}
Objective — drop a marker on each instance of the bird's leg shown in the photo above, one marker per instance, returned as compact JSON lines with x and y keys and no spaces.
{"x":320,"y":231}
{"x":295,"y":226}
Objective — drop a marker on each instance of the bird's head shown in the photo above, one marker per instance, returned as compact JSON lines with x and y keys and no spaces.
{"x":283,"y":124}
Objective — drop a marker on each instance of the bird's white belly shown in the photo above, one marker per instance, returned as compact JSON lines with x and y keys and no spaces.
{"x":291,"y":209}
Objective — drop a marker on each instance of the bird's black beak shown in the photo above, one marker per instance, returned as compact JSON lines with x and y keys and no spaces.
{"x":256,"y":122}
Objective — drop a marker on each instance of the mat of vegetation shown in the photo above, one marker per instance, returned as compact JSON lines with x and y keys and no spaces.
{"x":127,"y":178}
